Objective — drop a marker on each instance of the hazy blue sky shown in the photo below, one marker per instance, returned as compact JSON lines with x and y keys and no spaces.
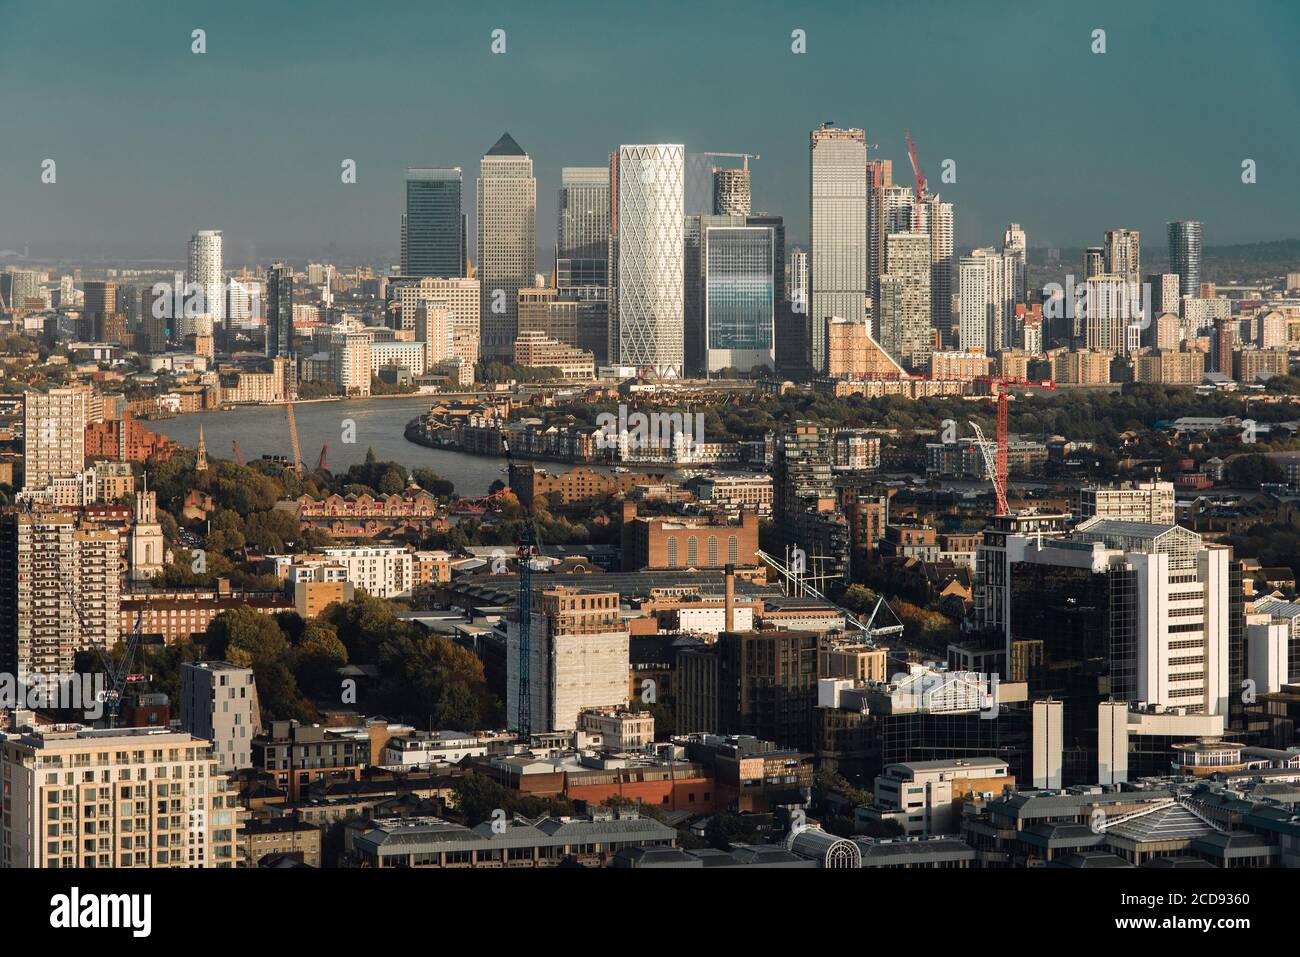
{"x":153,"y":142}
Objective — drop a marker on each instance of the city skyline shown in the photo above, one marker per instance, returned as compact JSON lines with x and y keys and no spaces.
{"x":277,"y":203}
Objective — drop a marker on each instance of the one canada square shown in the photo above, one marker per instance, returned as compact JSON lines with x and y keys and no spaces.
{"x":646,"y":234}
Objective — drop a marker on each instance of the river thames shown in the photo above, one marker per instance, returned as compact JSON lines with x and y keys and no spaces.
{"x":264,"y":430}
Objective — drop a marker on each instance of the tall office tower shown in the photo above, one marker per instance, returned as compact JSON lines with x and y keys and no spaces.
{"x":1015,"y":243}
{"x":904,"y":325}
{"x":695,"y":350}
{"x":1124,"y":254}
{"x":780,"y":278}
{"x":798,"y":276}
{"x":1112,"y":315}
{"x":146,"y":547}
{"x":156,"y":321}
{"x":279,"y":311}
{"x":578,"y":647}
{"x":582,"y":253}
{"x":54,"y":431}
{"x":837,"y":231}
{"x":936,"y":219}
{"x":1164,"y":293}
{"x":59,"y":591}
{"x":219,"y":704}
{"x":461,"y":300}
{"x":183,"y":813}
{"x":880,"y":178}
{"x":432,"y":234}
{"x":646,"y":239}
{"x":1185,"y":256}
{"x":507,"y":243}
{"x":582,"y":227}
{"x":731,"y":191}
{"x":205,"y":279}
{"x":739,"y":297}
{"x":1094,"y":262}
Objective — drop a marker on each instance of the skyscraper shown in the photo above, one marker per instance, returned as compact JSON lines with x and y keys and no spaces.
{"x":646,"y":232}
{"x":837,"y":231}
{"x":903,"y":317}
{"x":582,"y":227}
{"x":507,"y":243}
{"x":1014,"y":242}
{"x":1185,"y":256}
{"x":1094,"y":262}
{"x":739,"y":299}
{"x":582,"y":252}
{"x":937,"y":221}
{"x":433,"y":226}
{"x":1124,"y":254}
{"x":880,"y":178}
{"x":205,"y":279}
{"x":279,"y":311}
{"x":988,"y":284}
{"x":731,"y":191}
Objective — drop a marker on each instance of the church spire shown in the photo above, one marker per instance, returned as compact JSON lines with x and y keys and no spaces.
{"x":201,"y":455}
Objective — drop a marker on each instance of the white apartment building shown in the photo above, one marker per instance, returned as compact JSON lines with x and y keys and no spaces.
{"x":385,"y":571}
{"x":115,"y":798}
{"x":423,"y":749}
{"x":54,"y":435}
{"x":1129,"y":502}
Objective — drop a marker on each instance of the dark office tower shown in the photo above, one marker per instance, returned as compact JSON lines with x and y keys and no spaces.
{"x":99,"y":300}
{"x":279,"y":311}
{"x":1185,"y":256}
{"x":433,"y":234}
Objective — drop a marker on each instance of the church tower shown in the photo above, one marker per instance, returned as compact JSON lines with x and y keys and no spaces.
{"x":201,"y":456}
{"x":146,"y":544}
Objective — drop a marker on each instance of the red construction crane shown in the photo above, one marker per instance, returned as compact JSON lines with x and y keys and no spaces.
{"x":997,"y":463}
{"x":920,"y":181}
{"x":239,"y":456}
{"x":321,"y":464}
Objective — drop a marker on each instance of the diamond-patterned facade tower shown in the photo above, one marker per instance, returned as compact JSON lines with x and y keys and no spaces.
{"x":648,"y":249}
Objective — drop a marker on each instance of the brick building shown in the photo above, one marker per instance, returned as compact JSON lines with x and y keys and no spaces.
{"x":687,"y":542}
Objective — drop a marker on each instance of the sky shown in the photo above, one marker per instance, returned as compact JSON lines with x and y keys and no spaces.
{"x":152,"y":142}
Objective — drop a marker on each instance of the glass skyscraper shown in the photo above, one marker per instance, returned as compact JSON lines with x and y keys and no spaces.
{"x":837,"y":227}
{"x":582,"y":252}
{"x":1185,"y":256}
{"x":433,"y":237}
{"x":739,"y":296}
{"x":279,"y":311}
{"x":646,"y":236}
{"x":507,"y":243}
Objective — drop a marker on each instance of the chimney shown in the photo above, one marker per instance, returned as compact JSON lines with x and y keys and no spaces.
{"x":729,"y":601}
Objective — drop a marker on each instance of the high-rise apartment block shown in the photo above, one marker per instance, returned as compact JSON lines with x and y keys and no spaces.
{"x":578,"y":658}
{"x":54,"y":435}
{"x":1185,"y":256}
{"x":903,"y":317}
{"x":279,"y":311}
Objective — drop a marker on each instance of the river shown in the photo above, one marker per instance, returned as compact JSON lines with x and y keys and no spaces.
{"x":263,"y":430}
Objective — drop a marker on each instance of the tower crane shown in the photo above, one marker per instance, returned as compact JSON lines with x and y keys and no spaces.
{"x":118,"y":673}
{"x":239,"y":456}
{"x":525,"y":551}
{"x":920,"y":181}
{"x":746,"y":157}
{"x":995,"y":461}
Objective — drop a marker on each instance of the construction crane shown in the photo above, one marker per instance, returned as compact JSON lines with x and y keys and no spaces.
{"x":293,"y":436}
{"x":525,"y":551}
{"x":920,"y":181}
{"x":745,"y":157}
{"x":118,"y":673}
{"x":871,"y":632}
{"x":239,"y":456}
{"x":995,"y":461}
{"x":324,"y":449}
